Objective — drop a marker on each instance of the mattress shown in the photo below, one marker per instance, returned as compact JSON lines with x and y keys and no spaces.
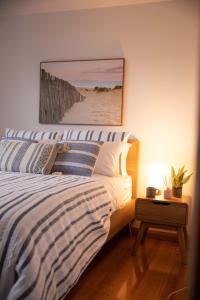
{"x":119,"y":189}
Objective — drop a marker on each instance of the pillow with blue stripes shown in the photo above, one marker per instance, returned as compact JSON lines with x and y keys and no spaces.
{"x":80,"y":159}
{"x":27,"y":157}
{"x":95,"y":135}
{"x":18,"y":139}
{"x":32,"y":135}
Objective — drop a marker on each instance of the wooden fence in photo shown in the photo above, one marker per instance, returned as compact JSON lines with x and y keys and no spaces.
{"x":56,"y":97}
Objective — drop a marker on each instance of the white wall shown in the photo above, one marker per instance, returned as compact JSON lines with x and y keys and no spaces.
{"x":159,"y":43}
{"x":23,"y":7}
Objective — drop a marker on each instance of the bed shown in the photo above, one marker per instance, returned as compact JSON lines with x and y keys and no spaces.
{"x":52,"y":226}
{"x":123,"y":216}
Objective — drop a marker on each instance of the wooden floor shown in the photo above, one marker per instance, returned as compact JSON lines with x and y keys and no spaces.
{"x":114,"y":274}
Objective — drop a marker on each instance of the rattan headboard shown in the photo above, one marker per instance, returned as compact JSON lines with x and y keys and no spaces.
{"x":132,"y":165}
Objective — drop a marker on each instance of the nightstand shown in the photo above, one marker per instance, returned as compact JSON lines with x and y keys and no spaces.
{"x":165,"y":214}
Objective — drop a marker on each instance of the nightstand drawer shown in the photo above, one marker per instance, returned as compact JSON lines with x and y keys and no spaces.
{"x":162,"y":212}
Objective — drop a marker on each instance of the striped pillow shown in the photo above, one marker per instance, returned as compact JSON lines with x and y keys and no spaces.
{"x":32,"y":135}
{"x":27,"y":157}
{"x":18,"y":139}
{"x":80,"y":158}
{"x":95,"y":135}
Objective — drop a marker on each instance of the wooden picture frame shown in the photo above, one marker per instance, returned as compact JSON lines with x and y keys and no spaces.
{"x":82,"y":92}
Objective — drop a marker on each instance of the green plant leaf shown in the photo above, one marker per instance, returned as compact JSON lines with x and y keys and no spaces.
{"x":182,"y":169}
{"x":173,"y":171}
{"x":173,"y":175}
{"x":179,"y":172}
{"x":186,"y":179}
{"x":179,"y":178}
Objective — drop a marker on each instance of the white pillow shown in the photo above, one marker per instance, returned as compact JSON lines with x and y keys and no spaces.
{"x":124,"y":154}
{"x":112,"y":159}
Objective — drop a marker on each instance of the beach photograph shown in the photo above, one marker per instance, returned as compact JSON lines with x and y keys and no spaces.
{"x":88,"y":92}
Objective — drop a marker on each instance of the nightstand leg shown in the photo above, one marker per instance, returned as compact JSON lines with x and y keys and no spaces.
{"x":144,"y":235}
{"x":186,"y":237}
{"x":141,"y":231}
{"x":181,"y":239}
{"x":131,"y":228}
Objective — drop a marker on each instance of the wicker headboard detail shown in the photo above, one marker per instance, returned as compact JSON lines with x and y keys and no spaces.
{"x":132,"y":165}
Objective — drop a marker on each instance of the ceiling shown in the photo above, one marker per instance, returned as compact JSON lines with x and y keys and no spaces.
{"x":26,"y":7}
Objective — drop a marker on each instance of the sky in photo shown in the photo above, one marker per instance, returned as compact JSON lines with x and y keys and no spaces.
{"x":88,"y":73}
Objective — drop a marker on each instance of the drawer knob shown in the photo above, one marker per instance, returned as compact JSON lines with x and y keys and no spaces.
{"x":160,"y":202}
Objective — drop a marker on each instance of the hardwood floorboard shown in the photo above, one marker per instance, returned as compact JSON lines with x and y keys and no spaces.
{"x":114,"y":274}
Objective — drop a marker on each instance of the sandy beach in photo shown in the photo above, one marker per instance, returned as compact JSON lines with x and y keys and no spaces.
{"x":102,"y":107}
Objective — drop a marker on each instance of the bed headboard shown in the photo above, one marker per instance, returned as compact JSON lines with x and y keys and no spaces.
{"x":132,"y":165}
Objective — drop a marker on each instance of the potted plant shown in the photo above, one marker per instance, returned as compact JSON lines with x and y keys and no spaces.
{"x":178,"y":179}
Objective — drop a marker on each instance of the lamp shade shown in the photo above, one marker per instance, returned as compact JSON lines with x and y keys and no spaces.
{"x":156,"y":173}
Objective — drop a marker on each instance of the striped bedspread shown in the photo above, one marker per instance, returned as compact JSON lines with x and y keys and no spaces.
{"x":50,"y":229}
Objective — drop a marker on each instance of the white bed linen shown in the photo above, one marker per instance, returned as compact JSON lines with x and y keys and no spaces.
{"x":119,"y":188}
{"x":51,"y":227}
{"x":37,"y":239}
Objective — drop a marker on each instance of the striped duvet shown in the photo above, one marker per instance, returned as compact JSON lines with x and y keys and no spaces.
{"x":50,"y":229}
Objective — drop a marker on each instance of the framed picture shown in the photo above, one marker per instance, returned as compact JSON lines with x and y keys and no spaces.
{"x":86,"y":92}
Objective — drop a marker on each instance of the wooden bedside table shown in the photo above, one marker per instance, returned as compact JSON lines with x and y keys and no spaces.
{"x":165,"y":214}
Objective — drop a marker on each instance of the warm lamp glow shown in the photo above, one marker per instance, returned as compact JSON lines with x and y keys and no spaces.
{"x":156,"y":173}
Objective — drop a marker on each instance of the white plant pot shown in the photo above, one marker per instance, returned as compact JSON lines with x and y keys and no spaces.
{"x":167,"y":193}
